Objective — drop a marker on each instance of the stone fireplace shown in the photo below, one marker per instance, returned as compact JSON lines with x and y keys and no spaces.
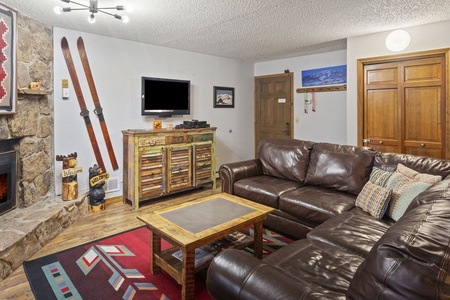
{"x":26,"y":144}
{"x":8,"y":176}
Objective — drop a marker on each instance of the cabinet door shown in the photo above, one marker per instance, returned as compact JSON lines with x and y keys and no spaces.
{"x":151,"y":173}
{"x":179,"y":165}
{"x":203,"y":171}
{"x":382,"y":108}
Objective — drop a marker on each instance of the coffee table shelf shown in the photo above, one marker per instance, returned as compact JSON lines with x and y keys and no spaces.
{"x":174,"y":266}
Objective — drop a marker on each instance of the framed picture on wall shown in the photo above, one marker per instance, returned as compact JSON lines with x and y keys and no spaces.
{"x":223,"y":97}
{"x":8,"y":39}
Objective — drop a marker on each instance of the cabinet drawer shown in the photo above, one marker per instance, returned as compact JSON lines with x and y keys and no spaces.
{"x":151,"y":190}
{"x":206,"y":137}
{"x":203,"y":176}
{"x":177,"y":139}
{"x":152,"y":141}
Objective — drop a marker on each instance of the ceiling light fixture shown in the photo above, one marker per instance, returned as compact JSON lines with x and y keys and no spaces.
{"x":93,"y":9}
{"x":398,"y":40}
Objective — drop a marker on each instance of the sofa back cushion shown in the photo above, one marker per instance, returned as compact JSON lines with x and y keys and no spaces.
{"x":421,"y":164}
{"x":411,"y":260}
{"x":287,"y":159}
{"x":340,"y":167}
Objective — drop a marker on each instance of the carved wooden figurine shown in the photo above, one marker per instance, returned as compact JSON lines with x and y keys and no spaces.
{"x":96,"y":192}
{"x":69,"y":176}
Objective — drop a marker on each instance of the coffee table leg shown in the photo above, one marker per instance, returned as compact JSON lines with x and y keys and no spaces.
{"x":258,"y":241}
{"x":155,"y":248}
{"x":188,"y":274}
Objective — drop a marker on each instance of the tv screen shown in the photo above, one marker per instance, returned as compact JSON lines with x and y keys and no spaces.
{"x":165,"y":97}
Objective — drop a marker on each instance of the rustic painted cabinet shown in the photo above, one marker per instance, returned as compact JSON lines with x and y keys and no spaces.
{"x":161,"y":162}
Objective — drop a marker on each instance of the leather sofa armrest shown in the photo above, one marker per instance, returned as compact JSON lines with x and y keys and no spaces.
{"x":236,"y":275}
{"x":232,"y":172}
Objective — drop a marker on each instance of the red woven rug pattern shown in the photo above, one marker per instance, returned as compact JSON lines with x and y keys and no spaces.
{"x":116,"y":267}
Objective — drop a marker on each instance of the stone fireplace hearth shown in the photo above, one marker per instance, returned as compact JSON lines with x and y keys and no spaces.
{"x":40,"y":214}
{"x":24,"y":231}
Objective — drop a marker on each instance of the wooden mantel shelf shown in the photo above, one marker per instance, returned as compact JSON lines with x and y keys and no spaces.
{"x":330,"y":88}
{"x":34,"y":92}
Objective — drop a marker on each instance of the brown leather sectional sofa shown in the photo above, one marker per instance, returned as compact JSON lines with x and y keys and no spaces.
{"x":342,"y":251}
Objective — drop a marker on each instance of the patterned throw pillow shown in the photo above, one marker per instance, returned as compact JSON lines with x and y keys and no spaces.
{"x":379,"y":176}
{"x":416,"y":176}
{"x":404,"y":190}
{"x":374,"y":199}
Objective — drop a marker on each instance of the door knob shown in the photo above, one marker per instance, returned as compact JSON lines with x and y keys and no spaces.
{"x":422,"y":145}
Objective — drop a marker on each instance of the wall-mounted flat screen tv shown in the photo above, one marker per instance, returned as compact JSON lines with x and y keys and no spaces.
{"x":165,"y":97}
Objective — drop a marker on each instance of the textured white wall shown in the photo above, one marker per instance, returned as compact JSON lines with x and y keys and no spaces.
{"x":328,"y":123}
{"x":425,"y":37}
{"x":117,"y":66}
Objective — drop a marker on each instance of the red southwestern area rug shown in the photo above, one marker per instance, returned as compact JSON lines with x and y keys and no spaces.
{"x":116,"y":267}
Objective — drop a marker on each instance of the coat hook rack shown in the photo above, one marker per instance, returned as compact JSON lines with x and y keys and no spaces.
{"x":331,"y":88}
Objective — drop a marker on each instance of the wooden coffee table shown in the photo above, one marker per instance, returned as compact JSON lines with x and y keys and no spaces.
{"x":197,"y":223}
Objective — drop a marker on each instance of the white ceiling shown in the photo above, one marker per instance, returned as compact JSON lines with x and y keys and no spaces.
{"x":248,"y":30}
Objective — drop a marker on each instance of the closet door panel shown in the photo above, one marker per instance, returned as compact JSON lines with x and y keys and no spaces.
{"x":381,"y":123}
{"x":424,"y":107}
{"x":382,"y":127}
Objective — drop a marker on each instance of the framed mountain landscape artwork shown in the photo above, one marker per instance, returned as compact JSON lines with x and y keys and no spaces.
{"x":223,"y":97}
{"x":325,"y":76}
{"x":8,"y":38}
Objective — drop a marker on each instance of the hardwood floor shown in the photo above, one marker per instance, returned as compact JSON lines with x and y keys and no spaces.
{"x":117,"y":217}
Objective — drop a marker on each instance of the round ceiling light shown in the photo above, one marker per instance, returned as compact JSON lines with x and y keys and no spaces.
{"x":398,"y":40}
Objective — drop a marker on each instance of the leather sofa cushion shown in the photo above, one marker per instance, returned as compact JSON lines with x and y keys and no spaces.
{"x":236,"y":275}
{"x":316,"y":204}
{"x":411,"y":260}
{"x":288,"y":225}
{"x":316,"y":263}
{"x":355,"y":231}
{"x":340,"y":167}
{"x":286,"y":159}
{"x":264,"y":189}
{"x":421,"y":164}
{"x":436,"y":191}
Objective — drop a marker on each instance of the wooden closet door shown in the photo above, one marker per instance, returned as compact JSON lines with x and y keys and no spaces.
{"x":382,"y":107}
{"x":424,"y":106}
{"x":404,"y":106}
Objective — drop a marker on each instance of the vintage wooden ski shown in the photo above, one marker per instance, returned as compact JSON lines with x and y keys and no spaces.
{"x":84,"y":112}
{"x":98,"y":108}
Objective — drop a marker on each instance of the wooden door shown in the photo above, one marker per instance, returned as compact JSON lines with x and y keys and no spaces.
{"x":424,"y":106}
{"x":273,"y":107}
{"x":404,"y":105}
{"x":382,"y":107}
